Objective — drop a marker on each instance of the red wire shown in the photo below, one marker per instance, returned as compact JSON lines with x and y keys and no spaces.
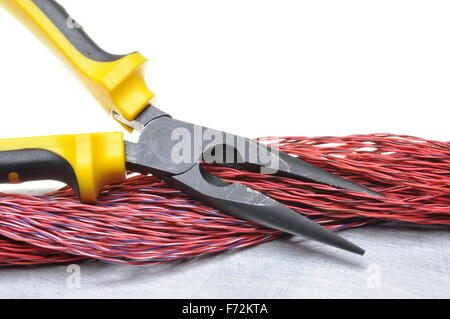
{"x":144,"y":221}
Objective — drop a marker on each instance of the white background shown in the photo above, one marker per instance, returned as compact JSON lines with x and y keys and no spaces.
{"x":255,"y":68}
{"x":251,"y":67}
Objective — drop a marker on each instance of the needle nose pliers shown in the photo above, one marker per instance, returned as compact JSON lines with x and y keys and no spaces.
{"x":170,"y":149}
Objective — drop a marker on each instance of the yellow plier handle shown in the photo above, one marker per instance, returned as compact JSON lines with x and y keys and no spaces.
{"x":116,"y":81}
{"x":85,"y":162}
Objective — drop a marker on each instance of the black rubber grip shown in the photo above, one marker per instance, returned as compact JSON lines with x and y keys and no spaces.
{"x":35,"y":165}
{"x":73,"y":32}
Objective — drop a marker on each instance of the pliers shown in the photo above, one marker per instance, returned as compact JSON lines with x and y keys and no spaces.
{"x":170,"y":149}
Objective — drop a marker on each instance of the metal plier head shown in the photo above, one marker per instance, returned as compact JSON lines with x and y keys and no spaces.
{"x":174,"y":150}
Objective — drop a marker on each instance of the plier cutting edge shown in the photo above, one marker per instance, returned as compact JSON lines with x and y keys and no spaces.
{"x":170,"y":149}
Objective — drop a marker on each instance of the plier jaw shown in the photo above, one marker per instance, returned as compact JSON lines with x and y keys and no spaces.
{"x":162,"y":148}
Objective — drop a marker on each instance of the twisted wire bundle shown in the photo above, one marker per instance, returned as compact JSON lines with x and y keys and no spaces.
{"x":145,"y":221}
